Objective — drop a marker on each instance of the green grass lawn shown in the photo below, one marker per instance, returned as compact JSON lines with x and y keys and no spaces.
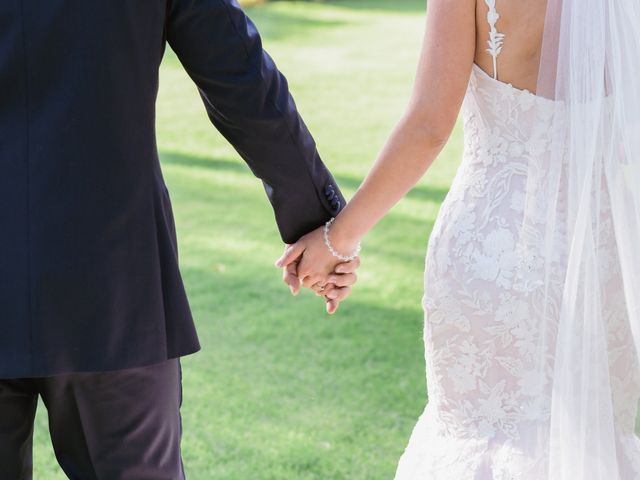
{"x":280,"y":390}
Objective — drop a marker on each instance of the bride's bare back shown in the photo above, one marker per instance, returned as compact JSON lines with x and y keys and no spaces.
{"x":456,"y":36}
{"x":522,"y":23}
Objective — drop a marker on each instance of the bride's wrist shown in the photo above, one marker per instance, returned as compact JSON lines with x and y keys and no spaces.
{"x":342,"y":238}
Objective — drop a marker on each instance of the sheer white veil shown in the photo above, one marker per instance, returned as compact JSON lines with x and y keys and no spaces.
{"x":586,"y":190}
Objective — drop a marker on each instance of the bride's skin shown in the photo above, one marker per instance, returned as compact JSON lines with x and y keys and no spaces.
{"x":344,"y":277}
{"x":441,"y":82}
{"x":449,"y":50}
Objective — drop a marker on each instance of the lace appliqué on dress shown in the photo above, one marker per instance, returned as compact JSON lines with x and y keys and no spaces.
{"x":496,"y":38}
{"x":489,"y":400}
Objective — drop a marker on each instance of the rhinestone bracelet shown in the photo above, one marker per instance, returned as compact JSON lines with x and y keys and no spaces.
{"x":327,"y":242}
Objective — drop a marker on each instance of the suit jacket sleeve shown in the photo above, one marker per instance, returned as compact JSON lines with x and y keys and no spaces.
{"x":248,"y":101}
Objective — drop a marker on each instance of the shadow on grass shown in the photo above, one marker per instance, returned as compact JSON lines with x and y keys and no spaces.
{"x":421,"y":192}
{"x":277,"y":24}
{"x":395,"y":229}
{"x":395,"y":6}
{"x":278,"y":365}
{"x":249,"y":289}
{"x":176,"y":158}
{"x":426,"y":193}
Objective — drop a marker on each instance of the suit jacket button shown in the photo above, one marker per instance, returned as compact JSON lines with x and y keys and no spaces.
{"x":328,"y":189}
{"x":336,"y":205}
{"x":331,"y":195}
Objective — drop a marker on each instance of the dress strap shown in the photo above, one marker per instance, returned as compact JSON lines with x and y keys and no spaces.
{"x":495,"y":38}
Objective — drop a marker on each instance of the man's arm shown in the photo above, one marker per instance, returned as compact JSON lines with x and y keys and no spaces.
{"x":248,"y":101}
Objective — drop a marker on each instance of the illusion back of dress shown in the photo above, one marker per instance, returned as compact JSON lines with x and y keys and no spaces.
{"x":488,"y":378}
{"x":509,"y":38}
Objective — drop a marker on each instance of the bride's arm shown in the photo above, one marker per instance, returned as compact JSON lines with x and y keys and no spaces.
{"x":442,"y":78}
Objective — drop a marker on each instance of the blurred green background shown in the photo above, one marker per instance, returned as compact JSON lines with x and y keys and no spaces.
{"x":280,"y":390}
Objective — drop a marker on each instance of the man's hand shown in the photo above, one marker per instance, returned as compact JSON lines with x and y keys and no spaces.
{"x":290,"y":277}
{"x":314,"y":261}
{"x":339,"y":284}
{"x":335,"y":287}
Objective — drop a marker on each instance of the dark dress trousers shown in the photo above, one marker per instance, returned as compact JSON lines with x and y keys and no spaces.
{"x":89,"y":277}
{"x":122,"y":425}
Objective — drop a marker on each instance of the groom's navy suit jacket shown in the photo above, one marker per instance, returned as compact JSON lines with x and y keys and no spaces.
{"x":89,"y":277}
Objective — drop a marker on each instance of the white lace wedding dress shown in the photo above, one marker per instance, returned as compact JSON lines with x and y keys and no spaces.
{"x":488,"y":407}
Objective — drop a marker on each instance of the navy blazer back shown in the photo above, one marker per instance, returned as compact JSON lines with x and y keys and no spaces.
{"x":89,"y":277}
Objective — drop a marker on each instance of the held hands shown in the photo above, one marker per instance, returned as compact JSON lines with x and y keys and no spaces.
{"x":310,"y":263}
